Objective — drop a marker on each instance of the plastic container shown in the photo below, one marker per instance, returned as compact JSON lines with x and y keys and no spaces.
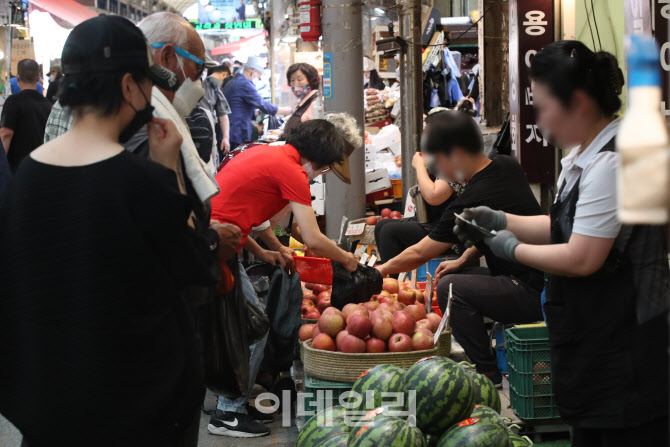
{"x":432,"y":266}
{"x":321,"y":394}
{"x":316,"y":270}
{"x":529,"y":363}
{"x":397,"y":188}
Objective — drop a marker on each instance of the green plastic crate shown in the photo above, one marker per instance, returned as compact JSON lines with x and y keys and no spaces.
{"x":316,"y":388}
{"x":529,"y":363}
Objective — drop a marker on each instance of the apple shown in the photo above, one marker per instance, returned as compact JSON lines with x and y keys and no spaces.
{"x":421,"y":341}
{"x":332,"y":311}
{"x":407,"y":296}
{"x":331,"y":324}
{"x":309,"y":285}
{"x":372,"y":220}
{"x":386,"y":300}
{"x":318,"y":288}
{"x":374,"y":345}
{"x":374,"y":298}
{"x":386,"y":212}
{"x":307,"y":307}
{"x":338,"y":339}
{"x":324,"y":303}
{"x":383,"y":294}
{"x":371,"y":305}
{"x":396,"y":215}
{"x":315,"y":331}
{"x":360,"y":311}
{"x":352,"y":345}
{"x":322,"y":295}
{"x":348,"y":309}
{"x":435,"y":319}
{"x":310,"y":296}
{"x":391,"y":285}
{"x":382,"y":328}
{"x":313,"y":314}
{"x":425,"y":323}
{"x":359,"y":326}
{"x":305,"y":332}
{"x":428,"y":332}
{"x":420,"y":297}
{"x":398,"y":307}
{"x":323,"y":342}
{"x":403,"y":323}
{"x":383,"y":313}
{"x":385,"y":306}
{"x":418,"y":311}
{"x":400,"y":343}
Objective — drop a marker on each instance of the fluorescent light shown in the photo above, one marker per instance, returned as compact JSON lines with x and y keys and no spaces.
{"x":204,"y":2}
{"x":379,"y":11}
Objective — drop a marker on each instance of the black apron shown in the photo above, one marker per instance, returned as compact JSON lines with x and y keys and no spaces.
{"x":296,"y":118}
{"x":609,"y":366}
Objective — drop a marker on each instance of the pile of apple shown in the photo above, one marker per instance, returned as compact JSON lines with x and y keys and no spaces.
{"x":373,"y":327}
{"x":401,"y":292}
{"x":315,"y":300}
{"x":386,"y":214}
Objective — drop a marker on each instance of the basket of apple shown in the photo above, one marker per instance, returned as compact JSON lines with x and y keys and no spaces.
{"x":342,"y":344}
{"x":315,"y":299}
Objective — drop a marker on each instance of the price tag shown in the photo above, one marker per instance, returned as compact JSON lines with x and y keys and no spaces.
{"x":364,"y":258}
{"x":355,"y":229}
{"x":445,"y":319}
{"x":373,"y":260}
{"x":402,"y":276}
{"x":428,"y":293}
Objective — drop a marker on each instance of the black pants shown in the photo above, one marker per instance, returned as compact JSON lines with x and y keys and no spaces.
{"x":394,"y":236}
{"x":652,"y":433}
{"x":477,"y":294}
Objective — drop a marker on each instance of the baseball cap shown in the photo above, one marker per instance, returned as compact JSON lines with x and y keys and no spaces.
{"x":109,"y":43}
{"x":256,"y":63}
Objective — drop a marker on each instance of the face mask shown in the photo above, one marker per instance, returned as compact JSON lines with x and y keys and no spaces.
{"x":187,"y":95}
{"x":366,"y":80}
{"x":52,"y":78}
{"x":301,"y":91}
{"x":311,"y":173}
{"x":141,"y":118}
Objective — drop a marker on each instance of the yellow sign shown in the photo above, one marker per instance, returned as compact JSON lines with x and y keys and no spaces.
{"x":21,"y":49}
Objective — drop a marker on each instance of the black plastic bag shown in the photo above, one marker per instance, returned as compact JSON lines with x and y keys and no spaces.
{"x":354,"y":287}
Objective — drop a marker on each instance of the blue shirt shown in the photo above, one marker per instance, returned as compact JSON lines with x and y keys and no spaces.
{"x":243,"y":100}
{"x":14,"y":85}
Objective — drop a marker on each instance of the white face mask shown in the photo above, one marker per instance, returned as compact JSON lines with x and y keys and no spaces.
{"x":52,"y":78}
{"x":188,"y":94}
{"x":311,"y":173}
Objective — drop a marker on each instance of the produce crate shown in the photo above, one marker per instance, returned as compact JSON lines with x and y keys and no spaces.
{"x":397,"y":188}
{"x":432,"y":266}
{"x":529,"y":365}
{"x":315,"y":388}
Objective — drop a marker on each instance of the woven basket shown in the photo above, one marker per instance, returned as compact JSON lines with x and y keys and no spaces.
{"x":344,"y":367}
{"x":368,"y":235}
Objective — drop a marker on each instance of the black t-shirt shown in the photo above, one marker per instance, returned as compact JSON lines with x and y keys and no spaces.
{"x":502,"y":185}
{"x":92,"y":262}
{"x":26,"y":113}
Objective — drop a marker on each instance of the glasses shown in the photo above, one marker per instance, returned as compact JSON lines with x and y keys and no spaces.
{"x":326,"y":169}
{"x":183,"y":53}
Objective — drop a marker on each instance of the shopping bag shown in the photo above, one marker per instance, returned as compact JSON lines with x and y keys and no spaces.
{"x":354,"y":287}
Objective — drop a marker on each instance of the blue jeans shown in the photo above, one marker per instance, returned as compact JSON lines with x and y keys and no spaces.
{"x":238,"y":405}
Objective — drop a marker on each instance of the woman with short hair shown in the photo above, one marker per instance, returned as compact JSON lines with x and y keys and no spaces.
{"x":304,"y":82}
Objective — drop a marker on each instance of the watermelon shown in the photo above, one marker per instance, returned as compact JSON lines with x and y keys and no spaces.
{"x":336,"y":440}
{"x":484,"y":412}
{"x":321,"y":426}
{"x":372,"y":383}
{"x":444,"y":393}
{"x":520,"y":441}
{"x":485,"y":391}
{"x":387,"y":431}
{"x":475,"y":432}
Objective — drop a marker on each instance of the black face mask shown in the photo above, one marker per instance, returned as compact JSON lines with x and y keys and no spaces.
{"x":141,"y":119}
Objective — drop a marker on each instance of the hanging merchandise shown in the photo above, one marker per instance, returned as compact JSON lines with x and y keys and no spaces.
{"x":310,"y":20}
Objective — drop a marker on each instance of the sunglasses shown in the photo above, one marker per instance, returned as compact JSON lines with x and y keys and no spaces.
{"x":183,"y":53}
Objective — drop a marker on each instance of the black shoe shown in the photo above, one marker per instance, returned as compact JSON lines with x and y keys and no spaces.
{"x":495,"y":377}
{"x":259,"y":416}
{"x":236,"y":425}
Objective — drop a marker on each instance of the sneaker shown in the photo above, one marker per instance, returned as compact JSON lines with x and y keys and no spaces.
{"x":495,"y":377}
{"x":259,"y":416}
{"x":236,"y":425}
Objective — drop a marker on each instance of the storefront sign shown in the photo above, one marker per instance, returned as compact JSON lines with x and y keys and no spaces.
{"x":661,"y":30}
{"x":638,"y":17}
{"x":247,"y":24}
{"x":21,"y":49}
{"x":328,"y":75}
{"x":531,"y":27}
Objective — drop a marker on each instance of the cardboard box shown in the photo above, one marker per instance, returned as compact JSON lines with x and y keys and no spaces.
{"x":377,"y":185}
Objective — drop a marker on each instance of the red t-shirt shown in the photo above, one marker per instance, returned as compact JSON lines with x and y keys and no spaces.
{"x":257,"y":184}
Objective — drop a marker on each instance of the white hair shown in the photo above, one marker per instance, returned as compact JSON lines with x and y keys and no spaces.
{"x":165,"y":27}
{"x":347,"y":127}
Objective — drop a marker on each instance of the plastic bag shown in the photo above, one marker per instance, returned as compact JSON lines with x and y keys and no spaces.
{"x":356,"y":287}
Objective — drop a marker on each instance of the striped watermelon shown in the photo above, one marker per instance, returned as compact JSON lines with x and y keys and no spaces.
{"x":475,"y":432}
{"x":483,"y":412}
{"x":485,"y":391}
{"x":520,"y":441}
{"x":321,"y":426}
{"x":387,"y":431}
{"x":375,"y":381}
{"x":336,"y":440}
{"x":444,"y":393}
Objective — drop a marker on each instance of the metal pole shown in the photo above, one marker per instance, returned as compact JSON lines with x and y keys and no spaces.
{"x":411,"y":88}
{"x":343,"y":38}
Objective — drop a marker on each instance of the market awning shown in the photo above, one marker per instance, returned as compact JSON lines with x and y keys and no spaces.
{"x":232,"y":47}
{"x":68,"y":10}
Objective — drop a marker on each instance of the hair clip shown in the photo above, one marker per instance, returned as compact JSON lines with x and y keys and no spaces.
{"x":573,"y":53}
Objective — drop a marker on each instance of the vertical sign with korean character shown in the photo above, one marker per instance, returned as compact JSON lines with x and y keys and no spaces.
{"x":661,"y":32}
{"x":531,"y":27}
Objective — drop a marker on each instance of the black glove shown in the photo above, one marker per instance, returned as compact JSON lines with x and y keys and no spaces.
{"x":354,"y":287}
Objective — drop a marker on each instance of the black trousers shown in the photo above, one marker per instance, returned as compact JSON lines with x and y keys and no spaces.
{"x":394,"y":236}
{"x":651,"y":433}
{"x":477,"y":294}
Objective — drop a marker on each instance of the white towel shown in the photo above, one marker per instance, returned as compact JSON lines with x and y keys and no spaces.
{"x":195,"y":168}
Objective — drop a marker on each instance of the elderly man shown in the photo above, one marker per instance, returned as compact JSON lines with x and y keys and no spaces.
{"x":244,"y":100}
{"x":216,"y":103}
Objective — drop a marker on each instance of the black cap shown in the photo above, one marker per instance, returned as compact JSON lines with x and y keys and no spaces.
{"x":109,"y":43}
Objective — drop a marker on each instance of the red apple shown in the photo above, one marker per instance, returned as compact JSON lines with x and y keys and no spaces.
{"x":398,"y":307}
{"x":360,"y":311}
{"x":309,"y":285}
{"x":359,"y":326}
{"x":324,"y":303}
{"x":385,"y":306}
{"x":383,"y":313}
{"x":420,"y":297}
{"x":374,"y":298}
{"x":403,"y":323}
{"x":322,"y":295}
{"x":305,"y":332}
{"x":310,"y":296}
{"x":435,"y":319}
{"x":391,"y":285}
{"x":372,"y":220}
{"x":425,"y":323}
{"x":332,"y":311}
{"x":315,"y":331}
{"x":352,"y":345}
{"x":318,"y":288}
{"x":428,"y":332}
{"x":407,"y":296}
{"x":308,"y":303}
{"x":421,"y":341}
{"x":323,"y":342}
{"x":331,"y":324}
{"x":418,"y":311}
{"x":384,"y":294}
{"x":396,"y":215}
{"x":374,"y":345}
{"x":382,"y":328}
{"x":338,"y":339}
{"x":386,"y":212}
{"x":371,"y":305}
{"x":400,"y":343}
{"x":313,"y":314}
{"x":385,"y":300}
{"x":348,"y":309}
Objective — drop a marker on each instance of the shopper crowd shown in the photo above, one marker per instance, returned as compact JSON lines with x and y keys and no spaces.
{"x":135,"y":185}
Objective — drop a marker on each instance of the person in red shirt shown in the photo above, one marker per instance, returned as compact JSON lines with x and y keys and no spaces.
{"x":258,"y":183}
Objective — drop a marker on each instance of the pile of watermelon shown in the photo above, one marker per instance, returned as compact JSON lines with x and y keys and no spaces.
{"x":435,"y":403}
